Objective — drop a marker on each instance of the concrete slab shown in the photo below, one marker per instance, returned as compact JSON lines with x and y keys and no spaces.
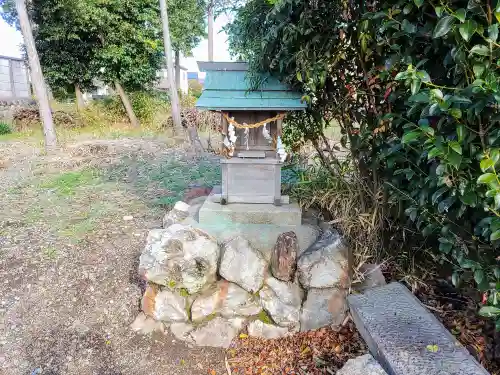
{"x":212,"y":213}
{"x":398,"y":330}
{"x":262,"y":237}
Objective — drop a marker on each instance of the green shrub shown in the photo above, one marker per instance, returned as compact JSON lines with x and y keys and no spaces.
{"x":5,"y":128}
{"x":415,"y":88}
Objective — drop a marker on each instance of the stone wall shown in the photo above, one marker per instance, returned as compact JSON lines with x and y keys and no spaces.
{"x":14,"y":79}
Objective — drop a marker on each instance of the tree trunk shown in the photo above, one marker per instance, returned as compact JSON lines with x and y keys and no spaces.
{"x":37,"y":77}
{"x":174,"y":99}
{"x":80,"y":103}
{"x":210,"y":31}
{"x":127,"y":105}
{"x":177,"y":70}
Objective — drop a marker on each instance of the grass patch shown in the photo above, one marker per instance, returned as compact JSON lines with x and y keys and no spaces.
{"x":50,"y":253}
{"x":79,"y":226}
{"x":171,"y":174}
{"x":68,"y":182}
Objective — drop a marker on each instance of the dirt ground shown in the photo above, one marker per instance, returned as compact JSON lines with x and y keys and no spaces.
{"x":69,"y":254}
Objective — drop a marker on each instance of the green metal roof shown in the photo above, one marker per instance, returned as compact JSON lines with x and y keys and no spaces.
{"x":227,"y":88}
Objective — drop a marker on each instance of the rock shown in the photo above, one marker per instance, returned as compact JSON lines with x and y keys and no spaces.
{"x":242,"y":265}
{"x":323,"y":307}
{"x":180,"y":256}
{"x":176,"y":214}
{"x":258,"y":328}
{"x":364,"y":365}
{"x":325,"y":264}
{"x":193,"y":193}
{"x":282,"y":301}
{"x":226,"y":299}
{"x":128,"y":218}
{"x":144,"y":324}
{"x":373,"y":277}
{"x":284,"y":256}
{"x":164,"y":305}
{"x":218,"y":332}
{"x":181,"y":331}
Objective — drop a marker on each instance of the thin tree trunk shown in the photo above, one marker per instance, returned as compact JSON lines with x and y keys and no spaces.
{"x":210,"y":31}
{"x":174,"y":99}
{"x":80,"y":103}
{"x":37,"y":77}
{"x":127,"y":105}
{"x":177,"y":70}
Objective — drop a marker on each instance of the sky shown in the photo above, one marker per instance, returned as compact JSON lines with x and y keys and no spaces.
{"x":10,"y":40}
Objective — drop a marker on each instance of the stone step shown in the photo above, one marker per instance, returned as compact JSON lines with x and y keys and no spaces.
{"x":398,"y":330}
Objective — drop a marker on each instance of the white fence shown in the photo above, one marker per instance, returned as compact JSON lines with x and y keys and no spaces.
{"x":14,"y":79}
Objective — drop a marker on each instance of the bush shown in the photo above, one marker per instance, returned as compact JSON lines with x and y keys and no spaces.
{"x":415,"y":88}
{"x":5,"y":128}
{"x":195,"y":88}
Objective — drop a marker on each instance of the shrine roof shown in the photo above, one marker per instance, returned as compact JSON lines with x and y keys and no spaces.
{"x":227,"y":88}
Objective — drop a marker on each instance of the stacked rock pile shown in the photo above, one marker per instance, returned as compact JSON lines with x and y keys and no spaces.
{"x":207,"y":292}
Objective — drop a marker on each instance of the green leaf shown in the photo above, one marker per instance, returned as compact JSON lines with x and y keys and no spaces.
{"x":439,"y":11}
{"x":469,"y":199}
{"x":437,"y":194}
{"x":401,"y":75}
{"x":489,"y":311}
{"x":443,"y":26}
{"x":445,"y":204}
{"x":496,"y":272}
{"x":478,"y":70}
{"x":454,"y":158}
{"x":445,"y":247}
{"x":455,"y":279}
{"x":460,"y":132}
{"x":433,"y":153}
{"x":460,"y":14}
{"x":495,"y":235}
{"x":467,"y":29}
{"x":411,"y":136}
{"x":479,"y":49}
{"x":408,"y":27}
{"x":479,"y":276}
{"x":486,"y":178}
{"x":428,"y":230}
{"x":493,"y":32}
{"x":421,"y":97}
{"x":415,"y":86}
{"x":455,"y":112}
{"x":455,"y":146}
{"x":486,"y":164}
{"x":441,"y":169}
{"x":497,"y":201}
{"x":299,"y":76}
{"x":418,"y":3}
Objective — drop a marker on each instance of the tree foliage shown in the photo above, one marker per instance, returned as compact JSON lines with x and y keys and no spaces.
{"x":414,"y":86}
{"x":80,"y":40}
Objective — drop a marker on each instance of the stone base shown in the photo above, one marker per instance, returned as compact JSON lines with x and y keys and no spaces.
{"x":262,"y":237}
{"x":213,"y":213}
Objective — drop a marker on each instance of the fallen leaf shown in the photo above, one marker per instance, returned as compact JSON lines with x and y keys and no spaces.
{"x":432,"y":348}
{"x":243,"y":336}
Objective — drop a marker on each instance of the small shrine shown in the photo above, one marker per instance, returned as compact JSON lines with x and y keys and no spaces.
{"x":251,"y":128}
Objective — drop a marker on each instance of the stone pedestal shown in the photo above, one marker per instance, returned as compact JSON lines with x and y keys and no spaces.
{"x":212,"y":213}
